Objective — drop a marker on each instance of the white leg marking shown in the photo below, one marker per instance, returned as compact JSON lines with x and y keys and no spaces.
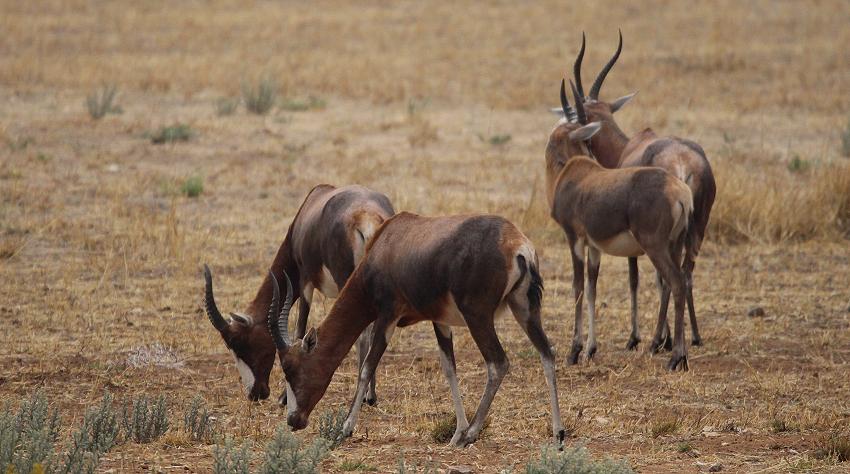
{"x":593,"y":257}
{"x":461,"y":421}
{"x":555,"y":410}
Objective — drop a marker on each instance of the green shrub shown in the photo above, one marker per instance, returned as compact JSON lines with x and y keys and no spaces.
{"x":349,"y":466}
{"x":27,"y":438}
{"x":96,"y":436}
{"x":192,"y":187}
{"x":300,"y":105}
{"x":197,"y":421}
{"x":798,"y":164}
{"x":260,"y":99}
{"x":330,"y":427}
{"x":145,"y":420}
{"x":501,"y":139}
{"x":227,"y":459}
{"x":175,"y":133}
{"x":99,"y":103}
{"x":284,"y":453}
{"x":575,"y":460}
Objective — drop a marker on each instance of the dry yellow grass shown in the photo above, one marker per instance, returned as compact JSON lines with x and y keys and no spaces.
{"x":101,"y":254}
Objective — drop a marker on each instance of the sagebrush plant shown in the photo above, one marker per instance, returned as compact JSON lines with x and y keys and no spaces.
{"x":97,"y":435}
{"x":229,"y":459}
{"x":330,"y":427}
{"x":285,"y":453}
{"x":28,"y":437}
{"x":575,"y":460}
{"x":145,"y":420}
{"x":101,"y":102}
{"x":197,"y":421}
{"x":260,"y":98}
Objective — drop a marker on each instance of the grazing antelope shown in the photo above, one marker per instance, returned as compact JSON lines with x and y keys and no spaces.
{"x":452,"y":271}
{"x":682,"y":158}
{"x":621,"y":212}
{"x":326,"y":239}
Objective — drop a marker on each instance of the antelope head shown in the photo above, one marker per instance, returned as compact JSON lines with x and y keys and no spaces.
{"x":567,"y":140}
{"x":249,"y":343}
{"x":306,"y":381}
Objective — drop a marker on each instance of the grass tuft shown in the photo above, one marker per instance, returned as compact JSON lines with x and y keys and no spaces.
{"x":576,"y":460}
{"x":301,"y":105}
{"x":226,"y":106}
{"x":192,"y":187}
{"x":101,"y":102}
{"x":174,"y":133}
{"x":835,"y":445}
{"x":444,"y":428}
{"x":665,"y":427}
{"x":260,"y":98}
{"x":349,"y":466}
{"x":330,"y":427}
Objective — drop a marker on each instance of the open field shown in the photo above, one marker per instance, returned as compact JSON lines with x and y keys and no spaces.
{"x":442,"y":106}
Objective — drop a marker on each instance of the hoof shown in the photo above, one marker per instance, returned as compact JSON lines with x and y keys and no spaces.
{"x":371,"y":401}
{"x":572,"y":359}
{"x":282,"y":399}
{"x":668,"y":343}
{"x":560,"y":438}
{"x":591,"y":352}
{"x":347,"y":429}
{"x":655,"y":346}
{"x":633,"y":343}
{"x":696,"y":341}
{"x":678,"y":361}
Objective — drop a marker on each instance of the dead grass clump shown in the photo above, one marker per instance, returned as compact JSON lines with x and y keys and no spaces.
{"x":575,"y":459}
{"x":665,"y":427}
{"x":772,"y":205}
{"x":443,"y":428}
{"x":99,"y":103}
{"x":835,"y":445}
{"x":154,"y":355}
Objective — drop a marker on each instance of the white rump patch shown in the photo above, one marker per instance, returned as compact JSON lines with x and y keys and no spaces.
{"x":326,"y":283}
{"x":244,"y":373}
{"x":623,"y":244}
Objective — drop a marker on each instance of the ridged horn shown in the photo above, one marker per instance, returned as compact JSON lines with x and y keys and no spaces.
{"x":597,"y":84}
{"x":577,"y":67}
{"x":569,"y":113}
{"x":582,"y":117}
{"x":215,"y":316}
{"x":279,"y":317}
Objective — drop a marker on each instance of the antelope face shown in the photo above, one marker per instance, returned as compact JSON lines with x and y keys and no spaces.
{"x":306,"y":382}
{"x":252,"y":348}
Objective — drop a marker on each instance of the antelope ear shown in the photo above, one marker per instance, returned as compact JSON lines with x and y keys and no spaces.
{"x":584,"y":133}
{"x":619,"y":103}
{"x":241,"y":319}
{"x":310,"y":340}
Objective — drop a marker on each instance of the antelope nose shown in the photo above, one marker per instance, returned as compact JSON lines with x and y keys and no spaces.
{"x":296,"y":422}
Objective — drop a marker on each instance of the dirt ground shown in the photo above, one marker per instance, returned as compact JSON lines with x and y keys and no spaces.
{"x":101,"y":250}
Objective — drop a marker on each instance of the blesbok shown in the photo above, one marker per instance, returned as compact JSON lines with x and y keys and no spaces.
{"x":683,"y":158}
{"x":622,"y":212}
{"x":325,"y":241}
{"x":452,"y":271}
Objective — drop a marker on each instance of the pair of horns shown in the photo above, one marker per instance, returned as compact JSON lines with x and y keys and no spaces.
{"x":278,"y":317}
{"x":578,"y":114}
{"x":600,"y":78}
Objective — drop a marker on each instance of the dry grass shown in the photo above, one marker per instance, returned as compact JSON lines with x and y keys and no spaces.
{"x":100,"y":250}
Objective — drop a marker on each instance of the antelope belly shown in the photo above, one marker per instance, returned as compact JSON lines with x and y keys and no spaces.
{"x":621,"y":245}
{"x":451,"y":315}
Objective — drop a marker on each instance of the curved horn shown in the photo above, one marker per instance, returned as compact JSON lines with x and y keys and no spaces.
{"x":279,"y":317}
{"x":582,"y":117}
{"x":597,"y":84}
{"x":577,"y":67}
{"x":209,"y":303}
{"x":569,"y":113}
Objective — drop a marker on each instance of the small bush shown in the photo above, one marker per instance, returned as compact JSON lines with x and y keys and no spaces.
{"x":330,"y":427}
{"x":300,"y":105}
{"x":96,"y":436}
{"x":27,"y":438}
{"x":665,"y":427}
{"x":175,"y":133}
{"x":284,"y":453}
{"x":575,"y":460}
{"x":498,"y":140}
{"x":226,"y":106}
{"x":444,"y":428}
{"x":348,"y":466}
{"x":227,"y":459}
{"x":99,"y":103}
{"x":684,"y":447}
{"x":260,"y":99}
{"x":197,"y":421}
{"x":845,"y":140}
{"x":781,"y":426}
{"x":835,"y":445}
{"x":192,"y":187}
{"x":798,"y":164}
{"x":144,"y":421}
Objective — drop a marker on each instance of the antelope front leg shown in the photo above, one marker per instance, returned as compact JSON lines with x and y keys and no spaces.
{"x":381,"y":333}
{"x":593,"y":259}
{"x":578,"y":294}
{"x":447,"y":361}
{"x":363,"y":349}
{"x":634,"y":279}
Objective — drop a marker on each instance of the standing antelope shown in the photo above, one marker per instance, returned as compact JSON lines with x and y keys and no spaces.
{"x":452,"y":271}
{"x":682,"y":158}
{"x":326,"y":239}
{"x":621,"y":212}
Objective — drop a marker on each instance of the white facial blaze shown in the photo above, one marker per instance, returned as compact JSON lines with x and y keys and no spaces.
{"x":291,"y":402}
{"x":244,"y":373}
